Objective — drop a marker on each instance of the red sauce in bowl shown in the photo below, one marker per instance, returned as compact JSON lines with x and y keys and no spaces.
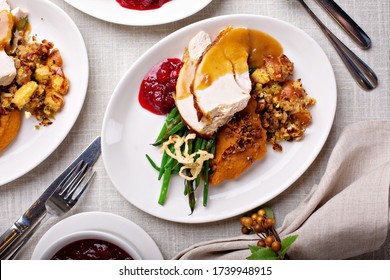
{"x":142,"y":4}
{"x":159,"y":85}
{"x":91,"y":249}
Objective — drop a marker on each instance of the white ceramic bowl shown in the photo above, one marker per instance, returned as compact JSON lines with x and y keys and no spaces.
{"x":53,"y":248}
{"x":109,"y":226}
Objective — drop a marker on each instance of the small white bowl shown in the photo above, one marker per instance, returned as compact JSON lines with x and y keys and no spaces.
{"x":53,"y":248}
{"x":111,"y":227}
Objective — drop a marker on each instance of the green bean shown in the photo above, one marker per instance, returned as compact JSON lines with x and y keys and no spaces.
{"x":214,"y":146}
{"x":152,"y":163}
{"x":176,"y":168}
{"x":197,"y":180}
{"x":185,"y":181}
{"x":210,"y":143}
{"x":161,"y":135}
{"x":171,"y":121}
{"x":198,"y":143}
{"x":211,"y":146}
{"x":166,"y":170}
{"x":165,"y":185}
{"x":189,"y":183}
{"x":164,"y":160}
{"x":170,"y":161}
{"x":206,"y":182}
{"x":175,"y":118}
{"x":182,"y":131}
{"x":191,"y":193}
{"x":172,"y":114}
{"x":176,"y":128}
{"x":199,"y":146}
{"x":172,"y":129}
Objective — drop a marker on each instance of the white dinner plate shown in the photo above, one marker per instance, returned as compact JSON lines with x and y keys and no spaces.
{"x":102,"y":222}
{"x":33,"y":145}
{"x":111,"y":11}
{"x":128,"y":130}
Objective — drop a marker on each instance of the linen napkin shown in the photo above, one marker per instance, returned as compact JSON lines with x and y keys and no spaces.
{"x":345,"y":215}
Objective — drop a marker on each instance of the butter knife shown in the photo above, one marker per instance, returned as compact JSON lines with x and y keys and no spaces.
{"x":346,"y":23}
{"x":37,"y":210}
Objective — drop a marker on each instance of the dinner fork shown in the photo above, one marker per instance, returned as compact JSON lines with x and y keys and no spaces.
{"x":359,"y":70}
{"x":59,"y":203}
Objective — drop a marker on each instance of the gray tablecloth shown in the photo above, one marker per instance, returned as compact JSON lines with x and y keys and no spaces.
{"x":113,"y":48}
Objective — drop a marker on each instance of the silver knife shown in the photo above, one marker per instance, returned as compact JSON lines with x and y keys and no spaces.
{"x":37,"y":210}
{"x":346,"y":22}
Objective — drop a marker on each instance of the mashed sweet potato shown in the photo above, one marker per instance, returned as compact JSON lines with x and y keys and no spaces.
{"x":240,"y":143}
{"x":9,"y":127}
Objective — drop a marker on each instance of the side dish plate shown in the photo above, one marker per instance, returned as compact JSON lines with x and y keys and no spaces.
{"x":128,"y":130}
{"x":32,"y":145}
{"x":111,"y":11}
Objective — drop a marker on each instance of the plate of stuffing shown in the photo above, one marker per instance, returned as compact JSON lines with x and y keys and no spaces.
{"x":139,"y":12}
{"x":43,"y":82}
{"x":218,"y":118}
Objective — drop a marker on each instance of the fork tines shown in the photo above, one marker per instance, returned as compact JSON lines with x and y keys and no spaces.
{"x":76,"y":182}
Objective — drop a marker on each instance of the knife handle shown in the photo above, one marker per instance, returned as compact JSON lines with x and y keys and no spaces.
{"x":8,"y":239}
{"x":347,"y":23}
{"x":13,"y":239}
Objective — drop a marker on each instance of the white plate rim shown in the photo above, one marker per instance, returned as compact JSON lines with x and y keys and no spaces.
{"x":313,"y":154}
{"x":103,"y":222}
{"x":33,"y":154}
{"x":113,"y":12}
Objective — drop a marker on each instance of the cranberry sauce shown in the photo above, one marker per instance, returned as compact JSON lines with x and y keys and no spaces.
{"x":91,"y":249}
{"x":159,"y":85}
{"x":142,"y":4}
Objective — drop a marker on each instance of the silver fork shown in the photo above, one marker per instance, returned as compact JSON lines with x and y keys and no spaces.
{"x":359,"y":70}
{"x":59,"y":203}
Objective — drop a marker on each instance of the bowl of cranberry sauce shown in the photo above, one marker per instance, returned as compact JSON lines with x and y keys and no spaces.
{"x":142,"y":4}
{"x":91,"y":245}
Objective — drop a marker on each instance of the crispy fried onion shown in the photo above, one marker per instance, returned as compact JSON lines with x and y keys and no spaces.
{"x":187,"y":160}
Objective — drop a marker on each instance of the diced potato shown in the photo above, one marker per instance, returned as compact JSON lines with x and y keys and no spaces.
{"x":53,"y":102}
{"x":24,"y":93}
{"x":23,"y":75}
{"x":54,"y":59}
{"x":260,"y":76}
{"x":35,"y":103}
{"x":59,"y":84}
{"x":42,"y":74}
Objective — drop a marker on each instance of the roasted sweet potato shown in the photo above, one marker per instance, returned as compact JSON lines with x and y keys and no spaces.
{"x":9,"y":127}
{"x":240,"y":143}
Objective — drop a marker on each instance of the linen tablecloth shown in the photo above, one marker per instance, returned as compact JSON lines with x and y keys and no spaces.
{"x":113,"y":48}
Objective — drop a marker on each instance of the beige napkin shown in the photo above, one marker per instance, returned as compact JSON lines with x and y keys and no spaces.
{"x":345,"y":215}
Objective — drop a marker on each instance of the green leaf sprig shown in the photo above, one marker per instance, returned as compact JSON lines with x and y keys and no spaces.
{"x":264,"y":253}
